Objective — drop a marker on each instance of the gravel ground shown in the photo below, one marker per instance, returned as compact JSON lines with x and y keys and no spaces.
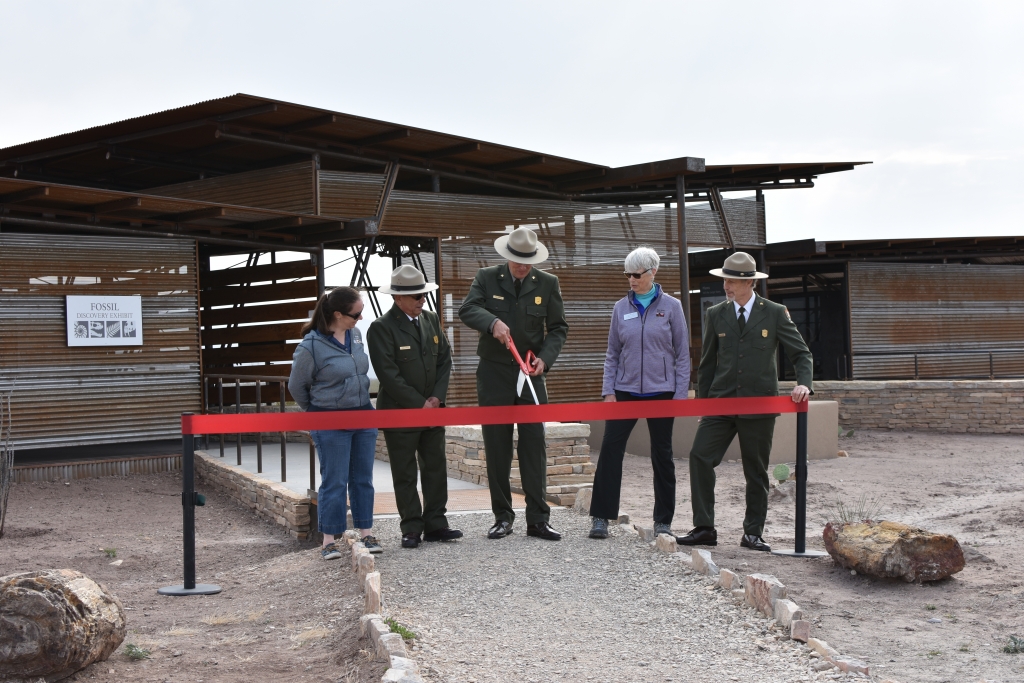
{"x":525,"y":609}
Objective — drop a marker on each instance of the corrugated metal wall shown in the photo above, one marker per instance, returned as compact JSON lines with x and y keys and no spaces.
{"x":960,"y":320}
{"x":285,"y":188}
{"x":67,"y":396}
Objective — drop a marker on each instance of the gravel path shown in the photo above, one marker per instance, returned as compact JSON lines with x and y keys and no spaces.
{"x":524,"y":609}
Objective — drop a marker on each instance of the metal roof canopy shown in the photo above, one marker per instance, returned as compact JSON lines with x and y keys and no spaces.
{"x":33,"y":205}
{"x":243,"y":132}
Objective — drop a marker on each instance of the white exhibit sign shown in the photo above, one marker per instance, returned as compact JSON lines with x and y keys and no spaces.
{"x":104,"y":320}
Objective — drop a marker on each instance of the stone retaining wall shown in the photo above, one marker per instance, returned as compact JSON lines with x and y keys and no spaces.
{"x":270,"y":500}
{"x":569,"y":467}
{"x":977,"y":406}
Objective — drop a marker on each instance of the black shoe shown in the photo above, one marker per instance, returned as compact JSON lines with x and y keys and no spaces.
{"x":702,"y":535}
{"x":543,"y":530}
{"x":754,"y":543}
{"x":599,"y":528}
{"x":500,"y":530}
{"x":442,"y":534}
{"x":411,"y":540}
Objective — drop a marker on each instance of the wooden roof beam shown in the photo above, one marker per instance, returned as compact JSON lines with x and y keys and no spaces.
{"x":522,"y":162}
{"x":315,"y":122}
{"x":381,"y":138}
{"x":630,"y":175}
{"x":452,"y":151}
{"x":194,"y":215}
{"x":24,"y":195}
{"x":116,"y":205}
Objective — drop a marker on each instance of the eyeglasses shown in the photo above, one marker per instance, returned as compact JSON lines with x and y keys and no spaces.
{"x":355,"y":316}
{"x":636,"y":276}
{"x":417,"y":297}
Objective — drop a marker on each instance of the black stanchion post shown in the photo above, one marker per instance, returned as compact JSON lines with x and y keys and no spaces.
{"x":189,"y":500}
{"x":800,"y":544}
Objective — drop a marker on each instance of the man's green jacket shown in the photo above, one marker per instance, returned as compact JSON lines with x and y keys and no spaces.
{"x":735,"y":364}
{"x":537,"y":309}
{"x":411,"y":365}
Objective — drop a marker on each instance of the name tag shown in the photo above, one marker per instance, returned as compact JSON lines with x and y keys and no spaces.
{"x":721,"y":334}
{"x":499,"y":298}
{"x":404,"y":348}
{"x":630,"y":316}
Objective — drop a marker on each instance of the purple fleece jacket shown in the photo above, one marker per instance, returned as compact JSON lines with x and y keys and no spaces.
{"x":647,"y":353}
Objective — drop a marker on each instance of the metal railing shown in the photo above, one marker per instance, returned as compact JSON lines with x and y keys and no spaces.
{"x":256,"y":381}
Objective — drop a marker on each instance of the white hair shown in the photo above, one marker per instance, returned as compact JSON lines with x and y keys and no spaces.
{"x":642,"y":258}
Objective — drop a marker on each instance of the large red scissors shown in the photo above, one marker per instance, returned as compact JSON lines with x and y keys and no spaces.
{"x":524,"y":370}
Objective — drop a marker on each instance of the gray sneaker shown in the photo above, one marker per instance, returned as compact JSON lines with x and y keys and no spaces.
{"x":372,"y":544}
{"x":662,"y":528}
{"x":599,"y":529}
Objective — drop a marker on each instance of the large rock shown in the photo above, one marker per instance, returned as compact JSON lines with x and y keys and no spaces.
{"x":54,"y":623}
{"x":893,"y":550}
{"x":761,"y":591}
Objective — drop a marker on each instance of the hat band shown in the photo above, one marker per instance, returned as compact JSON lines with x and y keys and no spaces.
{"x":520,"y":254}
{"x":407,"y":288}
{"x":739,"y":273}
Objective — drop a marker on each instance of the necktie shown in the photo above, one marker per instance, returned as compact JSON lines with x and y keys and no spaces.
{"x":519,"y":287}
{"x":741,"y":320}
{"x":416,"y":322}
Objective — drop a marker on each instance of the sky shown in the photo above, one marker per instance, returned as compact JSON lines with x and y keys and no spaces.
{"x":931,"y":92}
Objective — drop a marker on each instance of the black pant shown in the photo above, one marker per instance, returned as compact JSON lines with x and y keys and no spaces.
{"x":608,"y":479}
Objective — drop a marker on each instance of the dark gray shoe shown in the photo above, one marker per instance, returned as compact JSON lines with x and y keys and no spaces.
{"x":662,"y":528}
{"x":599,"y":529}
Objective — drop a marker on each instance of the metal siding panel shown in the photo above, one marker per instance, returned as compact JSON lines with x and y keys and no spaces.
{"x":944,"y":313}
{"x":285,"y":188}
{"x":89,"y":395}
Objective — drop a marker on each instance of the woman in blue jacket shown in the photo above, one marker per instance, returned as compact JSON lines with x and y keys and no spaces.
{"x":329,"y":373}
{"x":648,"y":359}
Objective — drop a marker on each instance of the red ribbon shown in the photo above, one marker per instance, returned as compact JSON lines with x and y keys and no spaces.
{"x":446,"y":417}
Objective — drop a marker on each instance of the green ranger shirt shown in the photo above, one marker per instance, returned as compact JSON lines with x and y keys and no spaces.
{"x":537,"y":310}
{"x":736,"y":364}
{"x":411,"y":365}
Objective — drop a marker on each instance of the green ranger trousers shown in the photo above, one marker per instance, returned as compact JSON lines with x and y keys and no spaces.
{"x":403,"y":447}
{"x":496,"y":386}
{"x":714,"y":435}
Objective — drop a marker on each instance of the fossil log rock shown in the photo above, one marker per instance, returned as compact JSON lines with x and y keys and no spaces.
{"x":55,"y":622}
{"x":893,"y":550}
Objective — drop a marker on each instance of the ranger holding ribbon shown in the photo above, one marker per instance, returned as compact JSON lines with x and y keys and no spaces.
{"x":515,"y":303}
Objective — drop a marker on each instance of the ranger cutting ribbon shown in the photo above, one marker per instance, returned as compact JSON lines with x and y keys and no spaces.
{"x":515,"y":306}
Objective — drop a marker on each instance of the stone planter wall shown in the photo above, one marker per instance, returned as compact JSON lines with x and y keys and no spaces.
{"x":270,"y":500}
{"x":569,"y":466}
{"x":977,"y":406}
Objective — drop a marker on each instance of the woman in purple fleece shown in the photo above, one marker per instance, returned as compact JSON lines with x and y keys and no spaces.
{"x":648,"y":359}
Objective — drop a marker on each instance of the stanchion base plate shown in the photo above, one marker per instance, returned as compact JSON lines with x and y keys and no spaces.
{"x":200,"y":589}
{"x":806,"y":553}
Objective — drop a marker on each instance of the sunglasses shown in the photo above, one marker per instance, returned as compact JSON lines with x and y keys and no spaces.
{"x":355,"y":316}
{"x":417,"y":297}
{"x":636,"y":276}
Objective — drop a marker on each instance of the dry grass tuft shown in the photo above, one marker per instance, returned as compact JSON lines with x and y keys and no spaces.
{"x":221,"y":619}
{"x":309,"y":635}
{"x":176,"y":632}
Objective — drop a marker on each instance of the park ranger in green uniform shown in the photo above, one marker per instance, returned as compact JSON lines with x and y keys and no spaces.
{"x":413,"y":362}
{"x":515,"y":301}
{"x":739,"y":345}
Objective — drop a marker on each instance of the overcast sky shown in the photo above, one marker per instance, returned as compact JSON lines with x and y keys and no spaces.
{"x":931,"y":92}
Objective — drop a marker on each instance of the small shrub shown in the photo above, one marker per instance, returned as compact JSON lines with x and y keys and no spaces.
{"x":864,"y":510}
{"x":781,"y":473}
{"x":1015,"y":646}
{"x":399,"y":629}
{"x":135,"y":652}
{"x":110,"y":552}
{"x":930,"y":608}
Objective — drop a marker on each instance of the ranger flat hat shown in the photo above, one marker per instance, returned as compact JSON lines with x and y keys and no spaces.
{"x":521,"y":246}
{"x":407,"y":280}
{"x":739,"y":266}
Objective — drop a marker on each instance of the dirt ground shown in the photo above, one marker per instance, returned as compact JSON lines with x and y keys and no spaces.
{"x":283,"y":615}
{"x":971,"y":486}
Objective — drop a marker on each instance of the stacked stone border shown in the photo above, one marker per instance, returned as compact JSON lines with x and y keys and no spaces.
{"x":954,"y":406}
{"x":268,"y":499}
{"x":388,"y":647}
{"x":761,"y":592}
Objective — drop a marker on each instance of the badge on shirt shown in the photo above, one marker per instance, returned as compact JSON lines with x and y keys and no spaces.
{"x":659,"y":314}
{"x":536,"y":300}
{"x":721,"y":334}
{"x":499,"y":298}
{"x":404,"y":348}
{"x":764,"y":333}
{"x":435,"y":338}
{"x":630,"y":316}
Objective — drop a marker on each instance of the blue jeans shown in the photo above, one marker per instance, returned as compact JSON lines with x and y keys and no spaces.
{"x":346,"y":472}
